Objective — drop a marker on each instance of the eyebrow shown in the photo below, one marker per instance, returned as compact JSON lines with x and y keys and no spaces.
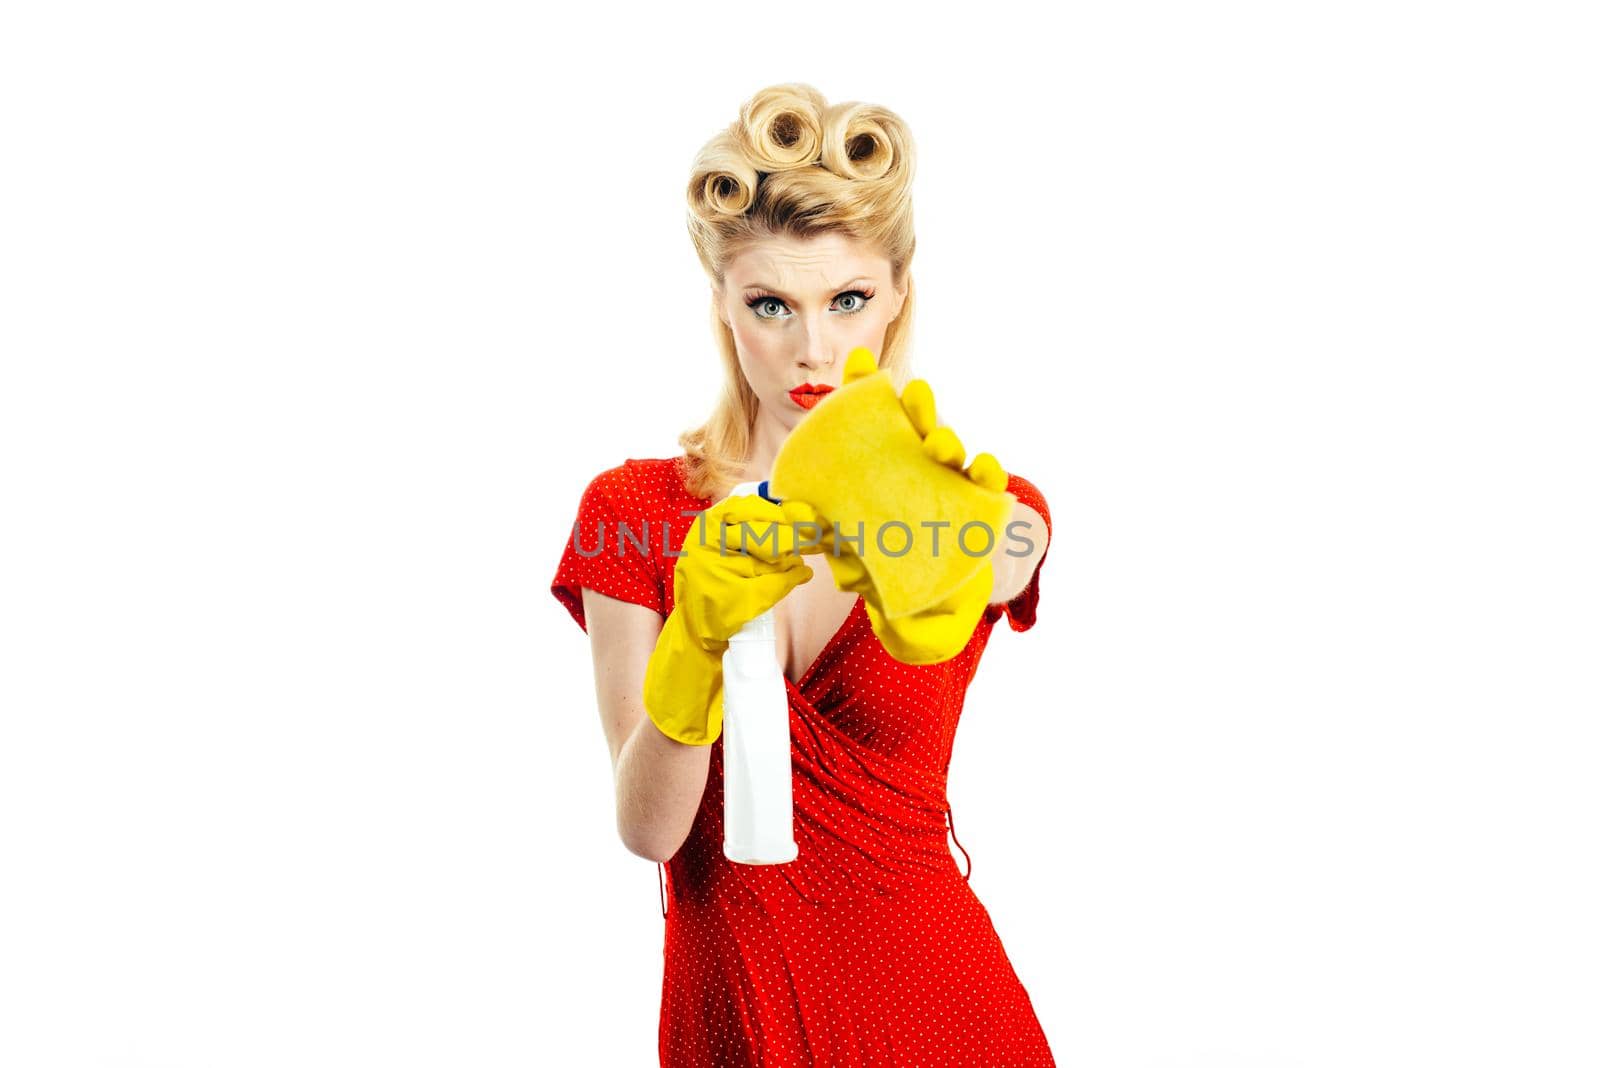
{"x":837,"y":288}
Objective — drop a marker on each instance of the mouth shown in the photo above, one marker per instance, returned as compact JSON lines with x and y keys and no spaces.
{"x":808,"y":395}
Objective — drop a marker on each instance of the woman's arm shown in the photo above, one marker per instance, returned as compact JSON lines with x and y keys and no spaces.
{"x":1013,"y":573}
{"x":659,"y":780}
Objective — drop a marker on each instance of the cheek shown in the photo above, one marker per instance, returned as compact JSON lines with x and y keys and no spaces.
{"x":877,"y":315}
{"x":871,"y":324}
{"x":759,"y":344}
{"x":758,"y":351}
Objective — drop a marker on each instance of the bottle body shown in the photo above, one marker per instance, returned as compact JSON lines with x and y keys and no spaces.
{"x":757,"y":771}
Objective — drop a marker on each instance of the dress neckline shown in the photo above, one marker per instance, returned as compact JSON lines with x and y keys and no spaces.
{"x":836,"y":638}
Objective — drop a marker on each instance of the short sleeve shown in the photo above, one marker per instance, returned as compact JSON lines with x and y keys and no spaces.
{"x":603,"y":550}
{"x":1022,"y":609}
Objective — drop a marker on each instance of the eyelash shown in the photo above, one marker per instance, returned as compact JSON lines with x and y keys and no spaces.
{"x":866,"y":296}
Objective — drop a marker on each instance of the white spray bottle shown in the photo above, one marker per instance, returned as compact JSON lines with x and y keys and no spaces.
{"x":757,"y":789}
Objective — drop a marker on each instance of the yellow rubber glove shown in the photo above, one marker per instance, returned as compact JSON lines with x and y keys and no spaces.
{"x":716,"y":592}
{"x":938,"y":633}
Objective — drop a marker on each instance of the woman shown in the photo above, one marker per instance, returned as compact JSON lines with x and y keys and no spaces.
{"x":869,"y":948}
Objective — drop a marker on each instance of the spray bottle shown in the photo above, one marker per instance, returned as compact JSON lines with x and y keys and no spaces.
{"x":757,"y":786}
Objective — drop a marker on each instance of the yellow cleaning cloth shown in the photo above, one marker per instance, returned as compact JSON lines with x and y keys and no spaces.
{"x":860,"y":461}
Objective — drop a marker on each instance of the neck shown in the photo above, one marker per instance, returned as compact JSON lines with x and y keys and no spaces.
{"x":765,"y":438}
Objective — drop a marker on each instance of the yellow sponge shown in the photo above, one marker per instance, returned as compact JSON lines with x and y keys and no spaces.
{"x":860,"y":462}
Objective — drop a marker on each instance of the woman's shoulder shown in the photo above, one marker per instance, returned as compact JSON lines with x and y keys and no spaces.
{"x":645,"y":486}
{"x":627,"y":516}
{"x":1029,"y":494}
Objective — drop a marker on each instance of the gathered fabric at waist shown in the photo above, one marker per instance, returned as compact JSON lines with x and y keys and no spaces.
{"x":866,"y":824}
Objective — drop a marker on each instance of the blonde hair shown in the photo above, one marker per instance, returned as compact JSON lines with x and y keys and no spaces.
{"x":793,"y":165}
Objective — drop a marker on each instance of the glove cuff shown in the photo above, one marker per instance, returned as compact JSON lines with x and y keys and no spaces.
{"x":683,"y":686}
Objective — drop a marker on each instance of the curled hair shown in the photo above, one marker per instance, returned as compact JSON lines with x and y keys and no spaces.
{"x":794,"y":165}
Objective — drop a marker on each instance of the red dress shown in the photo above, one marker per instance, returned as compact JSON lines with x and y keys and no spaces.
{"x":870,"y":948}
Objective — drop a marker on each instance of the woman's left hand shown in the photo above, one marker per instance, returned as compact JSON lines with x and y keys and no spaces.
{"x":937,"y":633}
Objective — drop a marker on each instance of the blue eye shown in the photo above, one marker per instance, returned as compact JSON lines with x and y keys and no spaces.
{"x":861,"y":299}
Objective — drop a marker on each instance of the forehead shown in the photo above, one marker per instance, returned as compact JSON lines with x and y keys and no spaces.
{"x":814,"y":262}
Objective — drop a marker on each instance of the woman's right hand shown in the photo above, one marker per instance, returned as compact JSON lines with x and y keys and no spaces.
{"x":716,"y":590}
{"x":720,"y":588}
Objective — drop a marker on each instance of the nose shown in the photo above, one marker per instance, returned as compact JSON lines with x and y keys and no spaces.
{"x":817,"y":349}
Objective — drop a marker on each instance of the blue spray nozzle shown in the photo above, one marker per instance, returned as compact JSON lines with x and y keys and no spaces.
{"x":759,"y":489}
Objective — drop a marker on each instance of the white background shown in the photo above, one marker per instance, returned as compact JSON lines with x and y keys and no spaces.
{"x":317,"y":318}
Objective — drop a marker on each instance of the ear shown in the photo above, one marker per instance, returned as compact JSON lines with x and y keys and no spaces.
{"x":718,"y":306}
{"x":900,"y":296}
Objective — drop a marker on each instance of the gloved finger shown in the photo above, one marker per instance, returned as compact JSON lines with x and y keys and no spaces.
{"x":811,"y":531}
{"x":943,"y":445}
{"x":736,"y":570}
{"x":772,"y":588}
{"x":763,"y":539}
{"x":986,"y":471}
{"x":849,"y":573}
{"x":797,"y":576}
{"x":917,"y":399}
{"x":780,"y":563}
{"x":796,"y":510}
{"x":748,"y":507}
{"x":830,"y":549}
{"x":754,"y":525}
{"x":859,"y":364}
{"x":801,"y":528}
{"x":831,"y":542}
{"x":734,"y":537}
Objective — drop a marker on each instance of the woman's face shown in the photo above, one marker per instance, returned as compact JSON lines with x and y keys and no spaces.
{"x":797,"y":307}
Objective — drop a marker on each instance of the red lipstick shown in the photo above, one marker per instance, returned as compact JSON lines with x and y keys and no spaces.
{"x":808,"y":395}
